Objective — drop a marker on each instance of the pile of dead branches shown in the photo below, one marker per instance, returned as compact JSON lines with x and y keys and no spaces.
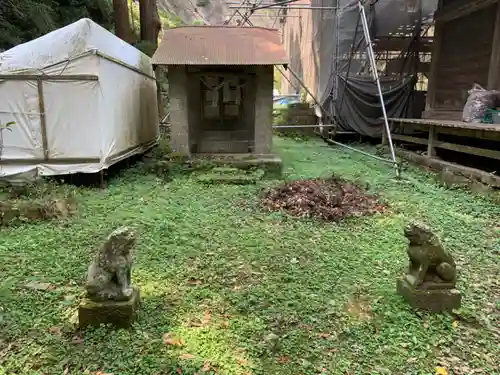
{"x":325,"y":199}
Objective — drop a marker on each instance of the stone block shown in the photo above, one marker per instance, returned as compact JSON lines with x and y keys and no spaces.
{"x":120,"y":314}
{"x":271,"y":164}
{"x":433,"y":300}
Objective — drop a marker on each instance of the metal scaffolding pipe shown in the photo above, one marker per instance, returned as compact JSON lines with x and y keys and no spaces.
{"x":273,"y":5}
{"x":373,"y":64}
{"x":299,"y":126}
{"x":234,"y":13}
{"x":265,"y":15}
{"x":328,"y":140}
{"x":288,"y":7}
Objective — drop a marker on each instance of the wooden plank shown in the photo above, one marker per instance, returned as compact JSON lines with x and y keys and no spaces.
{"x":43,"y":120}
{"x":45,"y":77}
{"x":445,"y":15}
{"x":438,"y":113}
{"x":484,"y":152}
{"x":436,"y":164}
{"x":493,"y":154}
{"x":466,"y":52}
{"x":466,"y":133}
{"x":448,"y":123}
{"x":410,"y":139}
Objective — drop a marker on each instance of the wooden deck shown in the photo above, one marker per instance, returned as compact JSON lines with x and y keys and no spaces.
{"x":402,"y":127}
{"x":447,"y":124}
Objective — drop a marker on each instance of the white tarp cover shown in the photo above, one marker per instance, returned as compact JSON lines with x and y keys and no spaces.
{"x":90,"y":124}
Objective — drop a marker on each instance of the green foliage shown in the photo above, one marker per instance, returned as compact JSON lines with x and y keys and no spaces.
{"x":169,"y":20}
{"x":7,"y":126}
{"x":135,"y":18}
{"x":146,"y":47}
{"x":278,"y":77}
{"x":23,"y":20}
{"x":229,"y":288}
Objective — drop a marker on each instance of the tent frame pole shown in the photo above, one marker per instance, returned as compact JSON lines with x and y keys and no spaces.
{"x":43,"y":119}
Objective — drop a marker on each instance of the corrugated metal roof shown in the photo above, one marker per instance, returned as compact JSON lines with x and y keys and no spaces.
{"x":220,"y":45}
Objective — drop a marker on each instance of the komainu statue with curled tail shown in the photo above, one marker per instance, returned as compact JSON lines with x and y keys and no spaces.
{"x":109,"y":275}
{"x":430,"y":263}
{"x":110,"y":296}
{"x":431,"y":277}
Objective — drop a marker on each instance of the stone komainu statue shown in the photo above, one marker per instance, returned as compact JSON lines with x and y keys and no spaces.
{"x":109,"y":275}
{"x":431,"y":265}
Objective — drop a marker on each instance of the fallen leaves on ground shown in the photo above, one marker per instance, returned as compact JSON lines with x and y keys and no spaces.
{"x":359,"y":308}
{"x":283,"y":359}
{"x":325,"y":199}
{"x":207,"y":317}
{"x":187,"y":356}
{"x":77,"y":340}
{"x":55,"y":330}
{"x":169,"y":340}
{"x":441,"y":371}
{"x":194,"y":282}
{"x":206,"y":367}
{"x":204,"y":321}
{"x":242,"y":361}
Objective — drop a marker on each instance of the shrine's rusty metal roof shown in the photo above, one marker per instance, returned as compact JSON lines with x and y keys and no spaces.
{"x":220,"y":45}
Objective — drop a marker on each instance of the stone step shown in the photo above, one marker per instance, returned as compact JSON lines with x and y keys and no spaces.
{"x":226,"y":170}
{"x":240,"y":178}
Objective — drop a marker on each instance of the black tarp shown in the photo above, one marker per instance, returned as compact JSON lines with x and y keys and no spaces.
{"x":358,"y":106}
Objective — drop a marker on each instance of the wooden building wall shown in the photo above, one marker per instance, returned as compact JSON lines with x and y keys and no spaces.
{"x":465,"y":53}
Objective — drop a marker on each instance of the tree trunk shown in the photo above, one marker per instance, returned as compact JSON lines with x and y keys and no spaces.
{"x":150,"y":21}
{"x":122,"y":21}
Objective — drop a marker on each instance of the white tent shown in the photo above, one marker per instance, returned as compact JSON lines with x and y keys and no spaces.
{"x":81,"y":99}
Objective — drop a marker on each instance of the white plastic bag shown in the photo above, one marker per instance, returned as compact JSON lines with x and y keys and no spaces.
{"x":478,"y":103}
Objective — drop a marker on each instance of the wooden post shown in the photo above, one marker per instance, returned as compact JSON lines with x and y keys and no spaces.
{"x":102,"y":184}
{"x":159,"y":99}
{"x":384,"y":137}
{"x":43,"y":119}
{"x":433,"y":74}
{"x":431,"y":150}
{"x":493,"y":73}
